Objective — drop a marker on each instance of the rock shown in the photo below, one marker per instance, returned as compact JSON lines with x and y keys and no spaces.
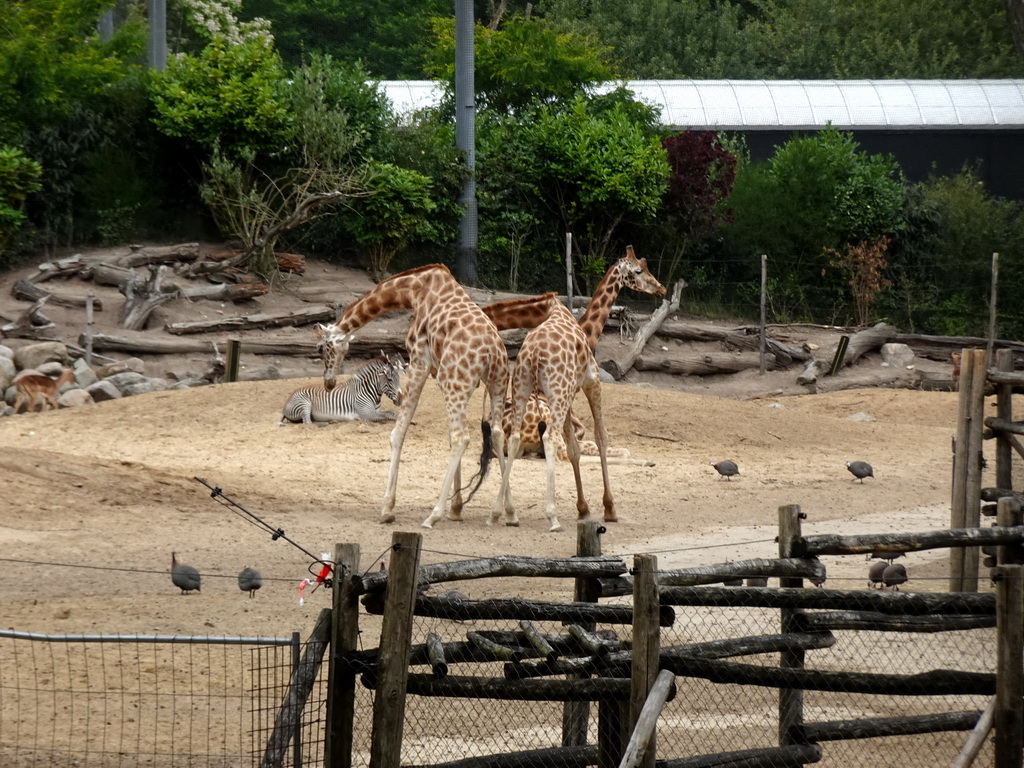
{"x":861,"y":416}
{"x":897,"y":355}
{"x":53,"y":370}
{"x":7,"y":372}
{"x":74,"y":398}
{"x":103,"y":390}
{"x":7,"y":352}
{"x":6,"y":410}
{"x":35,"y":355}
{"x":132,"y":364}
{"x":130,"y":383}
{"x":84,"y":375}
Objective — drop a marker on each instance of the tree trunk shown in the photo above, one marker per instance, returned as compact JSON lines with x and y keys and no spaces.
{"x":142,"y":297}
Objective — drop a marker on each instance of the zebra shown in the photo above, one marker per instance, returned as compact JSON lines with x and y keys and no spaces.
{"x":359,"y":398}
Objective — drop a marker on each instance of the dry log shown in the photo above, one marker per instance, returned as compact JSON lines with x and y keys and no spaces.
{"x":841,"y":730}
{"x":835,"y":544}
{"x":895,"y":603}
{"x":995,"y":494}
{"x":891,"y":378}
{"x":30,"y":324}
{"x":860,"y":344}
{"x":880,"y":622}
{"x":145,"y":256}
{"x":291,"y":262}
{"x":791,"y":756}
{"x":435,"y":653}
{"x":743,"y":338}
{"x":937,"y":682}
{"x":701,"y":363}
{"x":233,"y":292}
{"x":547,"y":757}
{"x":619,"y":364}
{"x":711,"y":574}
{"x":143,"y":296}
{"x":28,"y":291}
{"x":463,"y":687}
{"x":940,"y":347}
{"x":256,"y":321}
{"x":107,"y":274}
{"x":538,"y":641}
{"x":48,"y":270}
{"x":507,"y":565}
{"x":148,"y":345}
{"x":517,"y":608}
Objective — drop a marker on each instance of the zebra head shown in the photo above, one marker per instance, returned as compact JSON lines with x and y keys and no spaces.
{"x":333,"y":346}
{"x":391,"y":382}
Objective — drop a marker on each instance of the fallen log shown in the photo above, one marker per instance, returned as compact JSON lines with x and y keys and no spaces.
{"x":48,"y":270}
{"x":145,"y":256}
{"x":144,"y":296}
{"x":791,"y":756}
{"x":465,"y":687}
{"x":881,"y":622}
{"x":712,"y":574}
{"x":28,"y":291}
{"x":940,"y":347}
{"x":860,"y":344}
{"x":841,"y":730}
{"x":30,"y":324}
{"x":149,"y":345}
{"x":738,"y":338}
{"x":107,"y":274}
{"x":619,"y":363}
{"x":256,"y":321}
{"x":835,"y":544}
{"x":233,"y":292}
{"x":702,"y":363}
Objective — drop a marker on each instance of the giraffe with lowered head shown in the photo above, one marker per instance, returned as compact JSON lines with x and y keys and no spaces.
{"x":557,"y":359}
{"x":450,"y":339}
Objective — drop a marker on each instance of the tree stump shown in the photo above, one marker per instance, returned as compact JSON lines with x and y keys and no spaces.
{"x":142,"y":297}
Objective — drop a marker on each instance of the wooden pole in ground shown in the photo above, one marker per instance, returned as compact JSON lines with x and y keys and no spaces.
{"x":993,"y":295}
{"x":234,"y":354}
{"x":966,"y":502}
{"x":646,"y":643}
{"x":641,"y":743}
{"x":791,"y":700}
{"x":576,"y":714}
{"x":568,"y":270}
{"x":1004,"y":410}
{"x":1008,"y":718}
{"x":341,"y":682}
{"x":764,"y":298}
{"x":90,"y":326}
{"x":395,"y":644}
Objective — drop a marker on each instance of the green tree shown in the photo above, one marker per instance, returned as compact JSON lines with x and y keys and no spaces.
{"x":19,"y":177}
{"x":521,"y":62}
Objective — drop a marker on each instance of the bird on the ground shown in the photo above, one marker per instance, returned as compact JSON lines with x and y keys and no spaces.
{"x":757,"y":581}
{"x":887,"y":556}
{"x":894,"y":575}
{"x":185,"y":577}
{"x":733,"y":582}
{"x":875,"y":573}
{"x":725,"y":468}
{"x":249,"y":580}
{"x":860,"y":469}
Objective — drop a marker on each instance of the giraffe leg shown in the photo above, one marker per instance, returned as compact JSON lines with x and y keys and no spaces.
{"x":456,"y":400}
{"x":550,"y":441}
{"x":414,"y":388}
{"x":592,"y":389}
{"x":499,"y":447}
{"x":572,"y":448}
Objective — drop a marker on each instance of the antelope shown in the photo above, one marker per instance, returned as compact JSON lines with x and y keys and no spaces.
{"x":38,"y":387}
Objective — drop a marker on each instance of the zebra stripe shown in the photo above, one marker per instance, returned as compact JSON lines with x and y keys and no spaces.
{"x":359,"y":398}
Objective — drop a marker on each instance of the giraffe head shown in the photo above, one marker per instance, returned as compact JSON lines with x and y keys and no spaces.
{"x":333,"y":346}
{"x":633,"y":273}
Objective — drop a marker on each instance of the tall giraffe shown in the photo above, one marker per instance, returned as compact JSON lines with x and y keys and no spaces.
{"x":557,"y":358}
{"x":450,"y":339}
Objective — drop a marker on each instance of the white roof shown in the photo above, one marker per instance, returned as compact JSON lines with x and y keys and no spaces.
{"x":801,"y":104}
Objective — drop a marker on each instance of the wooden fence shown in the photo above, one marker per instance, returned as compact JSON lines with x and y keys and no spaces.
{"x":629,"y":681}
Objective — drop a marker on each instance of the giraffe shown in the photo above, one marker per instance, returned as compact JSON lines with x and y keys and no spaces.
{"x":557,"y":359}
{"x":450,"y":339}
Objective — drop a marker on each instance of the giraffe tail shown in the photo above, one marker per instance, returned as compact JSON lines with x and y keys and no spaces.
{"x":485,"y":461}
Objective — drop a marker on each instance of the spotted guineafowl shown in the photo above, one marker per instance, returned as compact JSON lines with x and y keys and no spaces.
{"x":249,"y":580}
{"x":875,"y":573}
{"x":185,"y":577}
{"x":725,"y":468}
{"x":860,"y":469}
{"x":894,"y":575}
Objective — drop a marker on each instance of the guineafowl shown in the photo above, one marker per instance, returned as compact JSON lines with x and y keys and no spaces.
{"x":860,"y":469}
{"x":887,"y":556}
{"x":894,"y":575}
{"x":757,"y":581}
{"x":725,"y":468}
{"x":249,"y":580}
{"x":875,"y":573}
{"x":185,"y":577}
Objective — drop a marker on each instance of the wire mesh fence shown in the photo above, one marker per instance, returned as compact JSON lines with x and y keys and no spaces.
{"x":124,"y":700}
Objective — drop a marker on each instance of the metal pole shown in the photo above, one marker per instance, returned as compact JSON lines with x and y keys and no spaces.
{"x":992,"y":311}
{"x":465,"y":140}
{"x":764,"y":292}
{"x":568,"y":270}
{"x":90,"y":325}
{"x":106,"y":25}
{"x":297,"y":735}
{"x":158,"y":34}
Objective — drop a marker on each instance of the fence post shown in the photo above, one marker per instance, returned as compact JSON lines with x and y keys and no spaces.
{"x":341,"y":682}
{"x":395,"y":645}
{"x":966,"y":503}
{"x":297,"y":723}
{"x":1004,"y":410}
{"x":234,"y":355}
{"x":791,"y":700}
{"x":646,"y":643}
{"x":1008,"y":719}
{"x":576,"y":714}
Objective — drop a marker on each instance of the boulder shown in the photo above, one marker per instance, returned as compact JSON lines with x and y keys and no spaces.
{"x":130,"y":383}
{"x":9,"y":395}
{"x":74,"y":398}
{"x":84,"y":375}
{"x":897,"y":355}
{"x":53,"y":370}
{"x":132,"y":364}
{"x":7,"y":372}
{"x":35,"y":355}
{"x":103,"y":390}
{"x":7,"y":352}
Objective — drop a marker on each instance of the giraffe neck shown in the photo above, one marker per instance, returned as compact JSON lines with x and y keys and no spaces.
{"x":402,"y":291}
{"x":596,"y":314}
{"x":520,"y":313}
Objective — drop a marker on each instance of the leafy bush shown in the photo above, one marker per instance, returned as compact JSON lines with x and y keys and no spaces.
{"x":19,"y":177}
